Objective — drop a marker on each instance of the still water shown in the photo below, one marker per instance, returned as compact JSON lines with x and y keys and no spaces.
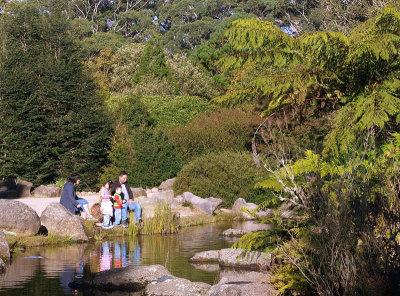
{"x":48,"y":271}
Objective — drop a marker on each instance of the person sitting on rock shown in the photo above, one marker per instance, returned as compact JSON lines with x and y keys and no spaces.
{"x":69,"y":199}
{"x":118,"y":204}
{"x":128,"y":196}
{"x":106,"y":204}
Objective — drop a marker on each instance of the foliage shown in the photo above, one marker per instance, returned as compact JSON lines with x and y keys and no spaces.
{"x":53,"y":121}
{"x":170,"y":111}
{"x":164,"y":221}
{"x":227,"y":175}
{"x":279,"y":72}
{"x":225,"y":129}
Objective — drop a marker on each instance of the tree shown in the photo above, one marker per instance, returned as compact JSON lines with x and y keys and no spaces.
{"x":53,"y":121}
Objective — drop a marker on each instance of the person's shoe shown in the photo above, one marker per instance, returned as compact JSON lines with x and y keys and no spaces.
{"x":117,"y":225}
{"x":125,"y":224}
{"x":106,"y":227}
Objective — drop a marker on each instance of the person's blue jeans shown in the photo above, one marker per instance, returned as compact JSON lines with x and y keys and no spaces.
{"x":81,"y":202}
{"x":106,"y":220}
{"x":117,"y":216}
{"x":132,"y":207}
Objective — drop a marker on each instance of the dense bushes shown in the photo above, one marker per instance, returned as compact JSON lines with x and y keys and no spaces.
{"x":173,"y":111}
{"x":227,"y":175}
{"x":225,"y":129}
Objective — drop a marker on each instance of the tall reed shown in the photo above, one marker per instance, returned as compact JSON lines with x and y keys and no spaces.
{"x":164,"y":221}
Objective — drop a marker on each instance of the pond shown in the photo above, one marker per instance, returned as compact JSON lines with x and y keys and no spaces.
{"x":48,"y":271}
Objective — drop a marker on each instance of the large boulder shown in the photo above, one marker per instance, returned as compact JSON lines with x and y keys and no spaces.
{"x":24,"y":188}
{"x":243,"y":283}
{"x":47,"y":191}
{"x":4,"y":248}
{"x":167,"y":184}
{"x":174,"y":286}
{"x":138,"y":192}
{"x":58,"y":220}
{"x":207,"y":205}
{"x":17,"y":217}
{"x":130,"y":278}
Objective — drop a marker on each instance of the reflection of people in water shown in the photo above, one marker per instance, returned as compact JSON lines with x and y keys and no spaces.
{"x":106,"y":257}
{"x":136,"y":255}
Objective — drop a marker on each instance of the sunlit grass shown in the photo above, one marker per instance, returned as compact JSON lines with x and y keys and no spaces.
{"x":165,"y":221}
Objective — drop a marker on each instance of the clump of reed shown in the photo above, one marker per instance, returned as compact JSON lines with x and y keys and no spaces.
{"x":165,"y":221}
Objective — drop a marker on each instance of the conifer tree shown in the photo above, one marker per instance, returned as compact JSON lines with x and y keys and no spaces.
{"x":53,"y":121}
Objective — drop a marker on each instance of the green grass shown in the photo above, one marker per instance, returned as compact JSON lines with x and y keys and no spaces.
{"x":206,"y":219}
{"x":165,"y":221}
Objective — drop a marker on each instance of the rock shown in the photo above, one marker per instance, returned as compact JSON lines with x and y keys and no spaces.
{"x":205,"y":257}
{"x":47,"y":191}
{"x":130,"y":278}
{"x":2,"y":266}
{"x":238,"y":205}
{"x":209,"y":267}
{"x":289,"y":215}
{"x":8,"y":184}
{"x":179,"y":199}
{"x":4,"y":248}
{"x":58,"y":220}
{"x":239,"y":258}
{"x":174,"y":286}
{"x":167,"y":184}
{"x":236,"y":258}
{"x":243,"y":284}
{"x":233,"y":233}
{"x":208,"y":205}
{"x":138,"y":192}
{"x":250,"y":226}
{"x":154,"y":190}
{"x":24,"y":188}
{"x":9,"y":194}
{"x":17,"y":217}
{"x":166,"y":195}
{"x":268,"y":213}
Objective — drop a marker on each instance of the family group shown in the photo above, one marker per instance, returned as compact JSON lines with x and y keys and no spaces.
{"x":116,"y":200}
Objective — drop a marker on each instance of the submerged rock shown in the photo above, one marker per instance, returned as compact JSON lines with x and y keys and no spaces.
{"x":240,"y":229}
{"x":58,"y":220}
{"x":17,"y":217}
{"x":174,"y":286}
{"x":131,"y":278}
{"x":206,"y":257}
{"x":239,"y":283}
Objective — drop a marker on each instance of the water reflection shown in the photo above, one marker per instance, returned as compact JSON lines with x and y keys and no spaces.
{"x":51,"y":274}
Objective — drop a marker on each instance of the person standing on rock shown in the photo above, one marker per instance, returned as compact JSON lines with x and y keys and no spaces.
{"x":69,"y":199}
{"x":128,"y":196}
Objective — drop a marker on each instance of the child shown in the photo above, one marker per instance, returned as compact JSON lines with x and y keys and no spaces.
{"x":106,"y":204}
{"x":118,"y":202}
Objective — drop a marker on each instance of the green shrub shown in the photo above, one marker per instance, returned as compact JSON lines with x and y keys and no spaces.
{"x":174,"y":111}
{"x":227,"y":175}
{"x":146,"y":154}
{"x":225,"y":129}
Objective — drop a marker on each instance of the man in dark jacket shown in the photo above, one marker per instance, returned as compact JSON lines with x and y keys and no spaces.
{"x":128,"y":196}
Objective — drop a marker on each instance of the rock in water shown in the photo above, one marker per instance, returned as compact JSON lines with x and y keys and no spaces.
{"x":17,"y":217}
{"x":58,"y":220}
